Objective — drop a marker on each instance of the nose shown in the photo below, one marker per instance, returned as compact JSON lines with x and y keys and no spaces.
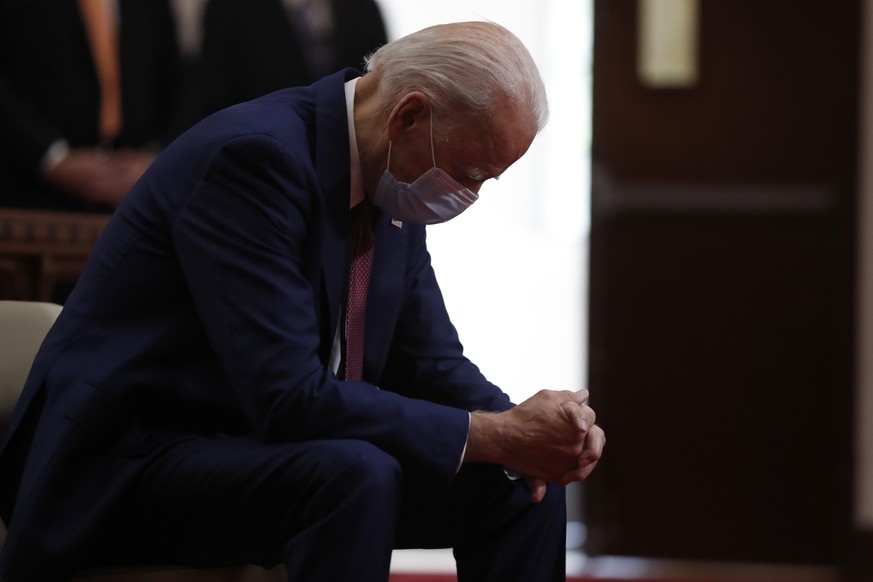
{"x":474,"y":188}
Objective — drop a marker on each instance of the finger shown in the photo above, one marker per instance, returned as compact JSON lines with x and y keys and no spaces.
{"x":595,"y":440}
{"x":577,"y":474}
{"x":585,"y":412}
{"x":589,"y":413}
{"x":581,"y":396}
{"x":537,"y":488}
{"x":577,"y":416}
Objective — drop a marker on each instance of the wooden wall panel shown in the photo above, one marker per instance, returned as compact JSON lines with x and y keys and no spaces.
{"x":721,"y":324}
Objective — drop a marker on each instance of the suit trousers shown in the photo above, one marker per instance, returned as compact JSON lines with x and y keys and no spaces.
{"x":330,"y":510}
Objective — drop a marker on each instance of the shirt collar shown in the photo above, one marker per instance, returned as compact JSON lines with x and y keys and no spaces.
{"x":356,"y":192}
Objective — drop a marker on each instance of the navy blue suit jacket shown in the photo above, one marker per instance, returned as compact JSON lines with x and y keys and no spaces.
{"x":209,"y":306}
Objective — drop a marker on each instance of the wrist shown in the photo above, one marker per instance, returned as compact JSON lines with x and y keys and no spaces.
{"x":486,"y":441}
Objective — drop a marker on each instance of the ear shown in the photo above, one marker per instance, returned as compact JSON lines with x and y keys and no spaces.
{"x":411,"y":113}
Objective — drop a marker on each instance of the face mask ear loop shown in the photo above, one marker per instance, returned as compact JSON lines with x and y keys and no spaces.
{"x":388,"y":163}
{"x":432,"y":153}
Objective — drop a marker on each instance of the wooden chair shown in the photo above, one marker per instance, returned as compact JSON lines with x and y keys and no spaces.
{"x":23,"y":325}
{"x":41,"y":249}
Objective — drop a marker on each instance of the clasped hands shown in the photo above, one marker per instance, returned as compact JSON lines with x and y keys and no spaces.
{"x":551,"y":436}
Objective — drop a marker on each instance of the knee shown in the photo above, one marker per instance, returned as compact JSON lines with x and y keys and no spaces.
{"x":360,"y":469}
{"x":368,"y":466}
{"x":549,"y":516}
{"x":555,"y":499}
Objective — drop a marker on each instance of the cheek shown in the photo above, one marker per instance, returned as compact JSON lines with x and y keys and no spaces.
{"x":408,"y":169}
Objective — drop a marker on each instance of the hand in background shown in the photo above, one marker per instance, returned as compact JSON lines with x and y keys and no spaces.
{"x":99,"y":179}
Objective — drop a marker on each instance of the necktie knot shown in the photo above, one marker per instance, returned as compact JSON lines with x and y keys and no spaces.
{"x":361,"y":235}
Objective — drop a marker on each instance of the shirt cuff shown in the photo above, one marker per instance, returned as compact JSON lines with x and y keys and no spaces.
{"x":511,"y":475}
{"x":464,"y":450}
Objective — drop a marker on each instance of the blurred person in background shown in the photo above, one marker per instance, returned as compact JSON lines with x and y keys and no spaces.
{"x":253,"y":47}
{"x":88,"y":95}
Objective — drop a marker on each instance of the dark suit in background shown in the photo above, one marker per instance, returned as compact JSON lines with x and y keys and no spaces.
{"x":49,"y":89}
{"x":253,"y":47}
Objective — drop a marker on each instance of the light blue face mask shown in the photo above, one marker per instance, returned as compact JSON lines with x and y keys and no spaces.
{"x":432,"y":198}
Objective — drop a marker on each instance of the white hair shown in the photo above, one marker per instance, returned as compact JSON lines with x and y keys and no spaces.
{"x":464,"y":65}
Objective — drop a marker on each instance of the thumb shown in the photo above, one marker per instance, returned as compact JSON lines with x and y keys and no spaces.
{"x":537,"y":488}
{"x":581,"y":396}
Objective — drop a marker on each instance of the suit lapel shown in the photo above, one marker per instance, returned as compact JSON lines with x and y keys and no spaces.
{"x":332,"y":164}
{"x":384,"y":295}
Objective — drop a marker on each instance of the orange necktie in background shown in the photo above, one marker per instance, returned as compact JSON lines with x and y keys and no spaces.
{"x":102,"y":29}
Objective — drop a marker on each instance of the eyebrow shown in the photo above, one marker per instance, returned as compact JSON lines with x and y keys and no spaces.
{"x":476,"y":174}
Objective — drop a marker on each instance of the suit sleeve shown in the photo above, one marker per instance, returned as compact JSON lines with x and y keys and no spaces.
{"x":241,"y":240}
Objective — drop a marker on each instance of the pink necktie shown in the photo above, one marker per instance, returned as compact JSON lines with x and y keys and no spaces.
{"x":361,"y":261}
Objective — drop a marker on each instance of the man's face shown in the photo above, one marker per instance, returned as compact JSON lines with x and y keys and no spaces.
{"x":472,"y":154}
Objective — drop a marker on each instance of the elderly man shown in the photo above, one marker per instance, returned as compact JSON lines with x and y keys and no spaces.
{"x":257,"y":365}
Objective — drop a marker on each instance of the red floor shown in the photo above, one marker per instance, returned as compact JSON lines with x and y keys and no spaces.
{"x":624,"y":569}
{"x":451,"y":578}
